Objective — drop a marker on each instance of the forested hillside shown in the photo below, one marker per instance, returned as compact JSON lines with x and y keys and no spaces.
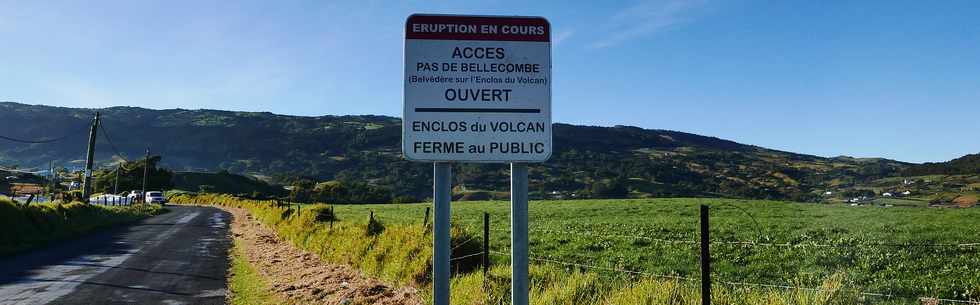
{"x":363,"y":151}
{"x":965,"y":165}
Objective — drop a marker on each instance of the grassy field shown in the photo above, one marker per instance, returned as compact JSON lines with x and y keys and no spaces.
{"x":25,"y":227}
{"x":842,"y":251}
{"x":879,"y":249}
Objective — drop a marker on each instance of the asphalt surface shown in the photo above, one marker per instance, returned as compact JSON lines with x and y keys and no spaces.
{"x":180,"y":257}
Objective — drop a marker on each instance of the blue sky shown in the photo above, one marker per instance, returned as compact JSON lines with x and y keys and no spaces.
{"x":895,"y":79}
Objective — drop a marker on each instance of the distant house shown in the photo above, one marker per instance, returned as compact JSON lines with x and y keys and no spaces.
{"x":828,"y":193}
{"x":26,"y":188}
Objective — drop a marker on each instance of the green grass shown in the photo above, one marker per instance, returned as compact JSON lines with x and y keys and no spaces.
{"x":26,"y":227}
{"x":899,"y":202}
{"x":247,"y":285}
{"x":846,"y":250}
{"x":627,"y":234}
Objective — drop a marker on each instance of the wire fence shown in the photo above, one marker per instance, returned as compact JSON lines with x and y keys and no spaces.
{"x":752,"y":243}
{"x":597,"y":268}
{"x":614,"y":270}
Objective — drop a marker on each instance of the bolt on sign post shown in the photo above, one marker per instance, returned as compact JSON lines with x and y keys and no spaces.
{"x":477,"y":89}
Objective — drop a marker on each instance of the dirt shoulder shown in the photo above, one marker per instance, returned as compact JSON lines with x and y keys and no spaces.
{"x":300,"y":277}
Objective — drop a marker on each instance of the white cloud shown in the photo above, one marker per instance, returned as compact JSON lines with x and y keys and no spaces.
{"x":646,"y":18}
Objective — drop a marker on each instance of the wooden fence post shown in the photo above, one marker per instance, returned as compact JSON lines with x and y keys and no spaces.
{"x":486,"y":244}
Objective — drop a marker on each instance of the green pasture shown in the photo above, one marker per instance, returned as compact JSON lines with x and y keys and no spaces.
{"x":890,"y":250}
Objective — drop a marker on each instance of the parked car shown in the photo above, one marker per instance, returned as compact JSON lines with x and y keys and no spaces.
{"x":107,"y":199}
{"x":155,"y":197}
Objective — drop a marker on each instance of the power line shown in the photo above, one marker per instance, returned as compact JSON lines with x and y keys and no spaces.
{"x":42,"y":141}
{"x":20,"y":171}
{"x":105,"y":135}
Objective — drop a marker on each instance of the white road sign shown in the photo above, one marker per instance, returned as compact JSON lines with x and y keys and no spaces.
{"x":477,"y":89}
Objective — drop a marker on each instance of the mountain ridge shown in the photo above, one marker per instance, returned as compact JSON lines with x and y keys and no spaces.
{"x":592,"y":161}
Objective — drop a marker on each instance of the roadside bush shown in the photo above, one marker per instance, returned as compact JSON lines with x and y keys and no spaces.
{"x":323,"y":214}
{"x":405,"y":199}
{"x":24,"y":227}
{"x":374,"y":226}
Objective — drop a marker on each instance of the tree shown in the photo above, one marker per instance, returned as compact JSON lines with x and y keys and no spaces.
{"x":206,"y":188}
{"x":614,"y":188}
{"x":131,"y":177}
{"x":301,"y":191}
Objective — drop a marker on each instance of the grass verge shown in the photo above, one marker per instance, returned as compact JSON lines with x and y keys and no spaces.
{"x":246,"y":285}
{"x":26,"y":227}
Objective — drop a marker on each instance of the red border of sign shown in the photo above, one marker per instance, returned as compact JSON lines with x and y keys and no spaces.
{"x":477,"y":20}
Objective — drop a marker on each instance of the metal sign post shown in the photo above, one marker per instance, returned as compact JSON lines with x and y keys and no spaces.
{"x":477,"y":89}
{"x":441,"y":185}
{"x":518,"y":234}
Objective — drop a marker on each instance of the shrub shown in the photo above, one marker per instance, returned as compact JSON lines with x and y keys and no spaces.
{"x":405,"y":199}
{"x":374,"y":226}
{"x":27,"y":226}
{"x":323,"y":214}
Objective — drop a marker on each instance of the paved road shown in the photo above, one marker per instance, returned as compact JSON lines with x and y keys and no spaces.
{"x":180,"y":257}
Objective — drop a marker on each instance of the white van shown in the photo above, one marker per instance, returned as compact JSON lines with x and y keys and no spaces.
{"x":155,"y":197}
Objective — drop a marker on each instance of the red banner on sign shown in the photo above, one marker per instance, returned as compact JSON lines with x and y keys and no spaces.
{"x":445,"y":27}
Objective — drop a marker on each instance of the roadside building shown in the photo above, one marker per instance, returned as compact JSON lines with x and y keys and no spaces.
{"x":17,"y":189}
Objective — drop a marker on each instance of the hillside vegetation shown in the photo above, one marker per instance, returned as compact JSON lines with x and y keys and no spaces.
{"x":965,"y":165}
{"x":588,"y":161}
{"x":644,"y":251}
{"x":224,"y":182}
{"x":24,"y":227}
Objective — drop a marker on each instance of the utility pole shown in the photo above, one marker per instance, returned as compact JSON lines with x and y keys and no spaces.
{"x":51,"y":174}
{"x":115,"y":189}
{"x":146,"y":172}
{"x":89,"y":159}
